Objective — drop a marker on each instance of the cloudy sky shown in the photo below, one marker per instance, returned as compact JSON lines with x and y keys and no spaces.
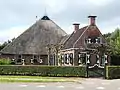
{"x":17,"y":15}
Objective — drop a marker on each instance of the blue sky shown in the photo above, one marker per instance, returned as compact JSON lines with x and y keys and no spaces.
{"x":17,"y":15}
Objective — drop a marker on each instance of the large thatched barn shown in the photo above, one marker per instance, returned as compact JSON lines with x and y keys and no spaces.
{"x":45,"y":43}
{"x":34,"y":45}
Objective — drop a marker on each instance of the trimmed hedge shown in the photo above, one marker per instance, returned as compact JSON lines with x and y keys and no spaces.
{"x":43,"y":70}
{"x":112,"y":72}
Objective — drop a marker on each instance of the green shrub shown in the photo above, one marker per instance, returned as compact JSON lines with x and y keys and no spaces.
{"x":5,"y":61}
{"x":113,"y":72}
{"x":43,"y":71}
{"x":115,"y":60}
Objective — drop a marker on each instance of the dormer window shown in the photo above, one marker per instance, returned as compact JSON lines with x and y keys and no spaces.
{"x":89,"y":40}
{"x":34,"y":59}
{"x":93,"y":40}
{"x":96,"y":40}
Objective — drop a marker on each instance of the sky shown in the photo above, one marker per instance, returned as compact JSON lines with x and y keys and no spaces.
{"x":18,"y":15}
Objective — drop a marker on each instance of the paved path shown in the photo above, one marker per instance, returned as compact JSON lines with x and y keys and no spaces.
{"x":87,"y":84}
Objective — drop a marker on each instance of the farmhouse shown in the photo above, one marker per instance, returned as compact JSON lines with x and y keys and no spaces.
{"x":45,"y":43}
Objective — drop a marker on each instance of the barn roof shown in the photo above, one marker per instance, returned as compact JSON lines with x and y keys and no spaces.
{"x":36,"y":38}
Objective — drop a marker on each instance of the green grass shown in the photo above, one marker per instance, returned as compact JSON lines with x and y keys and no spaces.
{"x":37,"y":79}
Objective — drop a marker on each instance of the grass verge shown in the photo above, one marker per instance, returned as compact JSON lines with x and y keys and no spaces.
{"x":37,"y":79}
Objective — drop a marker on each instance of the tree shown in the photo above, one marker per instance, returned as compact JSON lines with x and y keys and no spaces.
{"x":6,"y":43}
{"x":113,"y":40}
{"x":3,"y":45}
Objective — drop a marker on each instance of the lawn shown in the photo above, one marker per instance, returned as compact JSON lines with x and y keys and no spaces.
{"x":37,"y":79}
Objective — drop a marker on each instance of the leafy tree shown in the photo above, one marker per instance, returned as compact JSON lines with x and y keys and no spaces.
{"x":113,"y":40}
{"x":6,"y":43}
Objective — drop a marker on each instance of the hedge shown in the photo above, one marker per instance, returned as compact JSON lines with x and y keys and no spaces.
{"x":112,"y":72}
{"x":43,"y":70}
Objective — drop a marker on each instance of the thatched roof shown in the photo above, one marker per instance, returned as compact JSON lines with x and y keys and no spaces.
{"x":36,"y":38}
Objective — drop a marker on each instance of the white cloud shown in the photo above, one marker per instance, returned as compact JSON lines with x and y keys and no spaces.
{"x":16,"y":13}
{"x":100,"y":2}
{"x":109,"y":29}
{"x":110,"y":25}
{"x":70,"y":28}
{"x":55,"y":6}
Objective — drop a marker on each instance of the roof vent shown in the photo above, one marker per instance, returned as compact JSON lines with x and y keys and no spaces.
{"x":45,"y":18}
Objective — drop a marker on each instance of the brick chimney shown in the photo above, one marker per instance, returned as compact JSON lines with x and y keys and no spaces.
{"x":92,"y":20}
{"x":76,"y":26}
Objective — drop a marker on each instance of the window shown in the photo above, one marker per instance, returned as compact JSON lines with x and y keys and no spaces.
{"x":65,"y":58}
{"x":102,"y":60}
{"x":34,"y":59}
{"x":97,"y":59}
{"x":71,"y":58}
{"x":88,"y":58}
{"x":19,"y":60}
{"x":40,"y":60}
{"x":100,"y":40}
{"x":81,"y":58}
{"x":62,"y":58}
{"x":96,"y":40}
{"x":90,"y":40}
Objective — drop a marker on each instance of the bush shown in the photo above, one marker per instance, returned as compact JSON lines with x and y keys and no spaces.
{"x":5,"y":61}
{"x":43,"y":71}
{"x":113,"y":72}
{"x":115,"y":60}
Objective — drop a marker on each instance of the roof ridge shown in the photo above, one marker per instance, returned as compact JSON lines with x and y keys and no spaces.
{"x":58,"y":26}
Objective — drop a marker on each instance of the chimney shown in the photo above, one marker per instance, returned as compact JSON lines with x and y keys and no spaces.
{"x":76,"y":26}
{"x":92,"y":20}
